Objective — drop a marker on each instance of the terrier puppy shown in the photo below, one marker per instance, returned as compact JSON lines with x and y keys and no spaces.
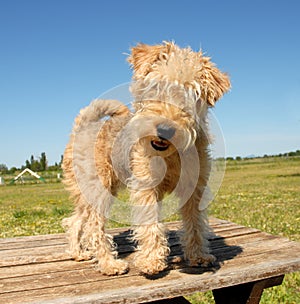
{"x":159,"y":148}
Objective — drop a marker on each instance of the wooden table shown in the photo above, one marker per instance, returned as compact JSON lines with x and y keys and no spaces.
{"x":36,"y":269}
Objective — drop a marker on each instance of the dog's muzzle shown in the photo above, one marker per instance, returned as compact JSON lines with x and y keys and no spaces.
{"x":164,"y":134}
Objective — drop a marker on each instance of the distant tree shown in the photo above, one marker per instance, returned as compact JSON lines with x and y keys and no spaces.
{"x":32,"y":160}
{"x":27,"y":164}
{"x":12,"y":170}
{"x":238,"y":158}
{"x":3,"y":169}
{"x":40,"y":164}
{"x":43,"y":162}
{"x":292,"y":154}
{"x":35,"y":164}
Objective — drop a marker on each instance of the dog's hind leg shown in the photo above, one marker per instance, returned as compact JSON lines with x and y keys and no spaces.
{"x":78,"y":244}
{"x":88,"y":240}
{"x":106,"y":251}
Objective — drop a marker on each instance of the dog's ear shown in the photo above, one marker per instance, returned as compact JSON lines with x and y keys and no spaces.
{"x":143,"y":56}
{"x":213,"y":82}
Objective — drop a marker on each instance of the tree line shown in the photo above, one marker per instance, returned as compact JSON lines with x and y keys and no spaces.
{"x":41,"y":163}
{"x":285,"y":155}
{"x":38,"y":164}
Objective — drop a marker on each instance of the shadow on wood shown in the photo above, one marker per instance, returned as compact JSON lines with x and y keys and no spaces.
{"x":218,"y":247}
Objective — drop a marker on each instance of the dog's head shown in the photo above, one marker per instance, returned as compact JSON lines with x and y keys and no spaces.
{"x":181,"y":66}
{"x":175,"y":85}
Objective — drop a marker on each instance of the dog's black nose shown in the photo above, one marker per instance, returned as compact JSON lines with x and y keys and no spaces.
{"x":165,"y":132}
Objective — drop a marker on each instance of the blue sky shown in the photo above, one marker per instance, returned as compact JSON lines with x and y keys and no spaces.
{"x":56,"y":56}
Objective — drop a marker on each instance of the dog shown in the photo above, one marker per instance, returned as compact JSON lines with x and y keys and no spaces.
{"x":160,"y":147}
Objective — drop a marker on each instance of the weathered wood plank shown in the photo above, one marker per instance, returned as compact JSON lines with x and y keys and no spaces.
{"x":32,"y":269}
{"x":61,"y":242}
{"x":175,"y":284}
{"x":54,"y":249}
{"x":249,"y":256}
{"x":41,"y":270}
{"x":26,"y":241}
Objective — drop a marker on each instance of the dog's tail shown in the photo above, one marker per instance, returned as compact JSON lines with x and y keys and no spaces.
{"x":99,"y":109}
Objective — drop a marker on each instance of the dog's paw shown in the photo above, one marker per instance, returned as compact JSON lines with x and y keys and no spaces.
{"x":81,"y":255}
{"x":204,"y":260}
{"x":150,"y":266}
{"x":113,"y":267}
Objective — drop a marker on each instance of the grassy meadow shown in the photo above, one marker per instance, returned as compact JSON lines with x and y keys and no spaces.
{"x":263,"y":193}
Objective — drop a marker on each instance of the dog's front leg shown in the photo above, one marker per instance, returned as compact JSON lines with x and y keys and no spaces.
{"x":149,"y":232}
{"x":195,"y":232}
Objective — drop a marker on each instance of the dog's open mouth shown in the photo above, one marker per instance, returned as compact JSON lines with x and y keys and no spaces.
{"x":160,"y":144}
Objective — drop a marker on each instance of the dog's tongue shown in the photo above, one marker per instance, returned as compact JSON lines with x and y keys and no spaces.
{"x":160,"y":143}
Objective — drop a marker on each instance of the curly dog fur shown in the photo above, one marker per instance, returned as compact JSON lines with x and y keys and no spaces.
{"x":161,"y":147}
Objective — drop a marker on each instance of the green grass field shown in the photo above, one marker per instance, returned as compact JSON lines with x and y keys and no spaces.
{"x":262,"y":193}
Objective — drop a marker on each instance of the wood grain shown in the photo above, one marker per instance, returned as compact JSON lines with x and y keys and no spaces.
{"x":37,"y":269}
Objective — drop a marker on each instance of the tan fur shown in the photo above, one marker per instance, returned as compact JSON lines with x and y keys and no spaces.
{"x":173,"y":89}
